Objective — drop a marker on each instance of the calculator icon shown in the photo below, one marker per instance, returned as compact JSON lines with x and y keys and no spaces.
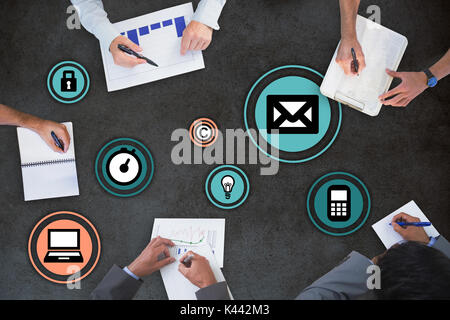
{"x":338,"y":208}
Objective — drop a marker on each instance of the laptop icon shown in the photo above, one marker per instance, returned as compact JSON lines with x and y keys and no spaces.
{"x":67,"y":240}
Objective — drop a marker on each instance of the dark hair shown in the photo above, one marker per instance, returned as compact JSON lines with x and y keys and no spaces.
{"x":413,"y":270}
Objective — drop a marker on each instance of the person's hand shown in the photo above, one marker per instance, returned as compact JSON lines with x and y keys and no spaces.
{"x":45,"y":127}
{"x":413,"y":84}
{"x":409,"y":233}
{"x":155,"y":256}
{"x":199,"y":272}
{"x":196,"y":36}
{"x":345,"y":59}
{"x":121,"y":58}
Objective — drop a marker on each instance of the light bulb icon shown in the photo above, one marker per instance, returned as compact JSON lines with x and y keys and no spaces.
{"x":227,"y":183}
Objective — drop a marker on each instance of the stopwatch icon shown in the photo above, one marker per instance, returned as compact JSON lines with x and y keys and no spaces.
{"x":124,"y":167}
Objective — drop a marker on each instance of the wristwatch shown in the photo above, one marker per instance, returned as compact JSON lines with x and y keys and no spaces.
{"x":432,"y":80}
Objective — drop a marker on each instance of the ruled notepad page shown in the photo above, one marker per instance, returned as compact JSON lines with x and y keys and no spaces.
{"x":45,"y":173}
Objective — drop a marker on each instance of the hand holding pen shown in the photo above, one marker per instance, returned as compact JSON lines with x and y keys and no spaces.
{"x":409,"y":228}
{"x":137,"y":55}
{"x":350,"y":56}
{"x":197,"y":270}
{"x":54,"y":134}
{"x":124,"y":59}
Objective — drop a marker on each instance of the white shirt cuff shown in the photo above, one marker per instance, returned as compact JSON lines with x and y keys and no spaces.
{"x":208,"y":13}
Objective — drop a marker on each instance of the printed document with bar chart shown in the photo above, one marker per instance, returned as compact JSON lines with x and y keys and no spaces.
{"x":159,"y":35}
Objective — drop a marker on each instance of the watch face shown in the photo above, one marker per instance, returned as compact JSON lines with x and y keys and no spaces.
{"x":124,"y":167}
{"x":432,"y":82}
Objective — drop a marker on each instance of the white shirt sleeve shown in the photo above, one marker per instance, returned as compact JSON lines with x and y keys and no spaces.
{"x":94,"y":19}
{"x":208,"y":12}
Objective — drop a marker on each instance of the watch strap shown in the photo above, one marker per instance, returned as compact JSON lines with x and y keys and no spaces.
{"x":428,"y":73}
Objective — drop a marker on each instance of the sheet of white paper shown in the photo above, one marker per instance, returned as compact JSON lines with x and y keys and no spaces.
{"x":383,"y":48}
{"x":50,"y":181}
{"x":386,"y":232}
{"x":193,"y":232}
{"x":177,"y":286}
{"x":44,"y":175}
{"x":159,"y":35}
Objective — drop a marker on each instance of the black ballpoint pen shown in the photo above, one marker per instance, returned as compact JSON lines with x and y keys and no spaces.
{"x":355,"y":62}
{"x":58,"y":143}
{"x":137,"y":55}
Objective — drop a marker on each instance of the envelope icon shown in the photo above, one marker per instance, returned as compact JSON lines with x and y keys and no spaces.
{"x":293,"y":114}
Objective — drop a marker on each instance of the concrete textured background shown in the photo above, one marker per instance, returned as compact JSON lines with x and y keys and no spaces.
{"x":272,"y":249}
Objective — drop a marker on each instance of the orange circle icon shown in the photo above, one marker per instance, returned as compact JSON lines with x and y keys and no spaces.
{"x":64,"y":247}
{"x":203,"y":132}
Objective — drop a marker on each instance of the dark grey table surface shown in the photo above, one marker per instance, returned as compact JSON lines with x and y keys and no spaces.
{"x":272,"y":250}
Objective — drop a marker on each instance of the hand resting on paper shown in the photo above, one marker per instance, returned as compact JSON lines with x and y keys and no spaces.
{"x":150,"y":260}
{"x":196,"y":36}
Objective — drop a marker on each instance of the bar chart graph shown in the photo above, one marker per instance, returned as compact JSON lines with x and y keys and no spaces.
{"x":178,"y":24}
{"x":159,"y":34}
{"x":178,"y":251}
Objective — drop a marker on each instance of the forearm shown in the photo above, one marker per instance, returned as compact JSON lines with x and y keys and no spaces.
{"x":12,"y":117}
{"x":441,"y":68}
{"x":95,"y":20}
{"x":116,"y":285}
{"x":217,"y":291}
{"x":348,"y":10}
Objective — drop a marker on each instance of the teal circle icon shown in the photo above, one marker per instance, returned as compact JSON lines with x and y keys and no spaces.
{"x":124,"y":167}
{"x":227,"y":187}
{"x":338,"y":203}
{"x":129,"y":152}
{"x":290,"y":114}
{"x":68,"y":82}
{"x":292,"y":142}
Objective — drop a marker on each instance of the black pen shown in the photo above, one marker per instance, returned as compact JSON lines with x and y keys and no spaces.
{"x":58,"y":143}
{"x":355,"y":62}
{"x":187,"y":261}
{"x":137,"y":55}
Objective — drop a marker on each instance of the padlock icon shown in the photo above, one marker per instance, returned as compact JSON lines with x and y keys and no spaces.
{"x":68,"y":84}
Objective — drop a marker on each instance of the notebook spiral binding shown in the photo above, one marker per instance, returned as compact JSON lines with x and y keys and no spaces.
{"x":45,"y":163}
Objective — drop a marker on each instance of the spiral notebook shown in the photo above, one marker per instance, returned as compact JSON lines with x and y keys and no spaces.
{"x":383,"y":48}
{"x":46,"y":173}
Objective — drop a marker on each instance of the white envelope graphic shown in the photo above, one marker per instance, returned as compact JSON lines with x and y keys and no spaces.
{"x":293,"y":114}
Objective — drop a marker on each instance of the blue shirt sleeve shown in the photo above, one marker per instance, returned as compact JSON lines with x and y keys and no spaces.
{"x":131,"y":274}
{"x":432,"y":241}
